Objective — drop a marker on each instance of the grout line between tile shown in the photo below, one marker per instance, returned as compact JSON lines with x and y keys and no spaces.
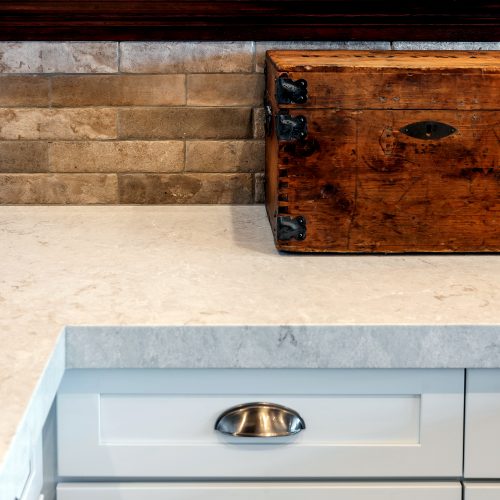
{"x":117,"y":125}
{"x":119,"y":57}
{"x":130,"y":107}
{"x":254,"y":57}
{"x":50,"y":92}
{"x":131,"y":139}
{"x":184,"y":156}
{"x":49,"y":156}
{"x":117,"y":198}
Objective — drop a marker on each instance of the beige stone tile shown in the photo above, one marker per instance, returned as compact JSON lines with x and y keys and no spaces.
{"x":225,"y":156}
{"x":118,"y":90}
{"x":189,"y":123}
{"x":446,"y":45}
{"x":39,"y":123}
{"x":261,"y":47}
{"x":23,"y":156}
{"x":185,"y":188}
{"x":58,"y":189}
{"x":259,"y":119}
{"x":186,"y":57}
{"x":117,"y":156}
{"x":225,"y":90}
{"x":26,"y":90}
{"x":58,"y":57}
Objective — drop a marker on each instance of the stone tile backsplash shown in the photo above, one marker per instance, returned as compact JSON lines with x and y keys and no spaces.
{"x":140,"y":122}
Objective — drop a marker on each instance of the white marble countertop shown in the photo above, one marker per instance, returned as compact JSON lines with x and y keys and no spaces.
{"x":188,"y":270}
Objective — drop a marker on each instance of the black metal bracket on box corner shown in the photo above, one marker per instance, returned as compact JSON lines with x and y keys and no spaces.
{"x":290,"y":91}
{"x":291,"y":228}
{"x":290,"y":128}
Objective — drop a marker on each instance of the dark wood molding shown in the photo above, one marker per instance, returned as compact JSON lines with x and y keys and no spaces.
{"x":249,"y":20}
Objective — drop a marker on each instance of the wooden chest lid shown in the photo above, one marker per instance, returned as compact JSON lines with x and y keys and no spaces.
{"x":354,"y":60}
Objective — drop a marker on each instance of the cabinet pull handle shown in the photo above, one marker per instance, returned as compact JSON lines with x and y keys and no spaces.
{"x":260,"y":420}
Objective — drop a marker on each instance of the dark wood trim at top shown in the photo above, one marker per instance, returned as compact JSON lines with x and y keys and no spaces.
{"x":477,"y":20}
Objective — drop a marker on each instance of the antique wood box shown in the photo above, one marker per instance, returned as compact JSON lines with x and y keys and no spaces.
{"x":383,"y":151}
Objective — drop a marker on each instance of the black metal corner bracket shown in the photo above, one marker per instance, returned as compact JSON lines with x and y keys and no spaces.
{"x":290,"y":91}
{"x":290,"y":128}
{"x":291,"y":228}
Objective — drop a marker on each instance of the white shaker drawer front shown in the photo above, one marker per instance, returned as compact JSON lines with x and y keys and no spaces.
{"x":358,"y":423}
{"x":482,"y":424}
{"x":481,"y":491}
{"x":262,"y":491}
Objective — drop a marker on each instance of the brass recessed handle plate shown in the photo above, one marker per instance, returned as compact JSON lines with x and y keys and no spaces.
{"x":260,"y":420}
{"x":428,"y":130}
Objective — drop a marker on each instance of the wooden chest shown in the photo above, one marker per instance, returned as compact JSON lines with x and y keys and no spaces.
{"x":383,"y":151}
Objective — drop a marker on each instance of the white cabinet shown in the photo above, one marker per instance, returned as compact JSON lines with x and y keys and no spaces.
{"x":260,"y":491}
{"x":482,"y":424}
{"x":359,"y":423}
{"x":481,"y":491}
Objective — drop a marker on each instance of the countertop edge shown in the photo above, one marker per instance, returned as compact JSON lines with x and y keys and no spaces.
{"x":245,"y":346}
{"x":283,"y":346}
{"x":29,"y":429}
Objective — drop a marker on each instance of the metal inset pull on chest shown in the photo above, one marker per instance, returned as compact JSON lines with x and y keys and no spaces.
{"x":428,"y":130}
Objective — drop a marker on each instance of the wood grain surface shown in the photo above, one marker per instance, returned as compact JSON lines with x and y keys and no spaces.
{"x":326,"y":61}
{"x":248,"y":20}
{"x":391,"y":80}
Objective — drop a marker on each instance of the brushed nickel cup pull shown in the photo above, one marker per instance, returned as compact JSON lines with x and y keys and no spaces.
{"x":260,"y":420}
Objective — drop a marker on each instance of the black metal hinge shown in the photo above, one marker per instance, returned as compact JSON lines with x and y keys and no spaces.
{"x":268,"y":117}
{"x":291,"y":228}
{"x":290,"y":128}
{"x":290,"y":91}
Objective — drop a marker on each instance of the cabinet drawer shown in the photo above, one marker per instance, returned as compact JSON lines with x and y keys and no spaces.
{"x":482,"y":424}
{"x":359,"y":423}
{"x":256,"y":491}
{"x":481,"y":491}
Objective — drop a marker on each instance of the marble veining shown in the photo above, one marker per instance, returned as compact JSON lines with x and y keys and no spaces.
{"x":286,"y":346}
